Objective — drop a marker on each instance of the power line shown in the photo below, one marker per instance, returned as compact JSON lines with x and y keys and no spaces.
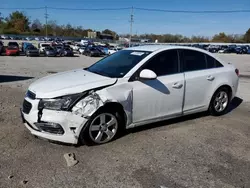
{"x":89,"y":9}
{"x":135,"y":8}
{"x":193,"y":12}
{"x":24,"y":8}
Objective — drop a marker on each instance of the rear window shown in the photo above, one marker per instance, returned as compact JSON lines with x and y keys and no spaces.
{"x":12,"y":44}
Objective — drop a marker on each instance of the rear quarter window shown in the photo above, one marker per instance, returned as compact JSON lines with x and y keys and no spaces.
{"x":212,"y":62}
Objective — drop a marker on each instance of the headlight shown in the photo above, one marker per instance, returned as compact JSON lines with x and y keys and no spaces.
{"x":62,"y":103}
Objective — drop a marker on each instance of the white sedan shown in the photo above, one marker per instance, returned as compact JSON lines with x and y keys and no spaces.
{"x":132,"y":87}
{"x":81,"y":50}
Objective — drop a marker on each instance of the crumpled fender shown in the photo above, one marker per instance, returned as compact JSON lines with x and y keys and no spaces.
{"x":122,"y":94}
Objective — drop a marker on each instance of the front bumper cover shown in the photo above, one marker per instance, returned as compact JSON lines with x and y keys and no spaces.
{"x":70,"y":123}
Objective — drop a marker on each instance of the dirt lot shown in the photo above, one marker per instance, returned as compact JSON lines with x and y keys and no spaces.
{"x":195,"y":151}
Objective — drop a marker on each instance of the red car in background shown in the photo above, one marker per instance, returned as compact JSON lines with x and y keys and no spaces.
{"x":12,"y":49}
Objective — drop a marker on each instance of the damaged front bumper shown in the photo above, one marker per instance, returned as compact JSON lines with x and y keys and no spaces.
{"x":54,"y":125}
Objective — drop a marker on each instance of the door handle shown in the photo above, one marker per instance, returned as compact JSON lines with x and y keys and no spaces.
{"x":210,"y":78}
{"x":177,"y":85}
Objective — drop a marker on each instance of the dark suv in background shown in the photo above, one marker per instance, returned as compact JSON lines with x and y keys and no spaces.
{"x":1,"y":47}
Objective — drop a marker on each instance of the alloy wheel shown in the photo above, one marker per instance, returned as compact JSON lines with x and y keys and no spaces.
{"x":221,"y":101}
{"x":103,"y":128}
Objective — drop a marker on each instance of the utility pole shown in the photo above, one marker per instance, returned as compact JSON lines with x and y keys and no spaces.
{"x":131,"y":25}
{"x":46,"y":22}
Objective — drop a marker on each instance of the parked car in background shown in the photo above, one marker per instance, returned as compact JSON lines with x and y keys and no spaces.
{"x":24,"y":45}
{"x":5,"y":37}
{"x":13,"y":44}
{"x":92,"y":105}
{"x":50,"y":51}
{"x":42,"y":47}
{"x":92,"y":51}
{"x":12,"y":49}
{"x":221,"y":51}
{"x":1,"y":47}
{"x":102,"y":49}
{"x":81,"y":49}
{"x":76,"y":47}
{"x":112,"y":50}
{"x":59,"y":50}
{"x":31,"y":51}
{"x":68,"y":52}
{"x":213,"y":49}
{"x":230,"y":50}
{"x":241,"y":49}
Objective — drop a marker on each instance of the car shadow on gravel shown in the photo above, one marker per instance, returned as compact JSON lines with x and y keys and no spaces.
{"x":11,"y":78}
{"x":235,"y":103}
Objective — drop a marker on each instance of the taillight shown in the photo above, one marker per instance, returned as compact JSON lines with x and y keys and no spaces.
{"x":237,"y":72}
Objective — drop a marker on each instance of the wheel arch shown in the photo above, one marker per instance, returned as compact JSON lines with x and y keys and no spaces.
{"x":218,"y":88}
{"x":115,"y":107}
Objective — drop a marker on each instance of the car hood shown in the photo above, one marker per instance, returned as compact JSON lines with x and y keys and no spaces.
{"x":69,"y":82}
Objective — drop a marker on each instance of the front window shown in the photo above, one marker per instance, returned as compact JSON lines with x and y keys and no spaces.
{"x":118,"y":64}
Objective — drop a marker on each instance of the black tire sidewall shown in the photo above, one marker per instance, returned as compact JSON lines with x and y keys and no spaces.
{"x":212,"y":110}
{"x":84,"y":137}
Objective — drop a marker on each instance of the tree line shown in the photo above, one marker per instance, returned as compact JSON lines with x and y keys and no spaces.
{"x":19,"y":23}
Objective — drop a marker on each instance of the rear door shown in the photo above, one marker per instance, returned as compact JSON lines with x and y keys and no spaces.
{"x":199,"y":79}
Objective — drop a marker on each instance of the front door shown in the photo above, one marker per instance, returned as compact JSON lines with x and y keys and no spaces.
{"x":163,"y":96}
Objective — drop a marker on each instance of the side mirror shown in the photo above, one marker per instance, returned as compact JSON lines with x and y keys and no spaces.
{"x":148,"y":74}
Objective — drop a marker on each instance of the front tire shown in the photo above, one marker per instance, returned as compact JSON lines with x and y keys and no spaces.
{"x":220,"y":102}
{"x":102,"y":127}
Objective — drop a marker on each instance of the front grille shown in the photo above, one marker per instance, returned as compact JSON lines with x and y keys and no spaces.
{"x":31,"y":95}
{"x":26,"y":107}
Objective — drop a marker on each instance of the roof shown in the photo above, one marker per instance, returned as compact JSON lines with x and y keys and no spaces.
{"x":152,"y":48}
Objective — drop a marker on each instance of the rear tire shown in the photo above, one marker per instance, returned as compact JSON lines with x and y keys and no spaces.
{"x":220,"y":102}
{"x":102,"y":127}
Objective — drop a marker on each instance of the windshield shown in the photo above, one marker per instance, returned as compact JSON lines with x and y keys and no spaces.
{"x":31,"y":47}
{"x":118,"y":64}
{"x":45,"y":45}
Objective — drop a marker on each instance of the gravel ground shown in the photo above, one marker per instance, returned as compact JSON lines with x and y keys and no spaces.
{"x":194,"y":151}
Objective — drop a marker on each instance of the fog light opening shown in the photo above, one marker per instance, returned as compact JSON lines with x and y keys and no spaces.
{"x":50,"y":127}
